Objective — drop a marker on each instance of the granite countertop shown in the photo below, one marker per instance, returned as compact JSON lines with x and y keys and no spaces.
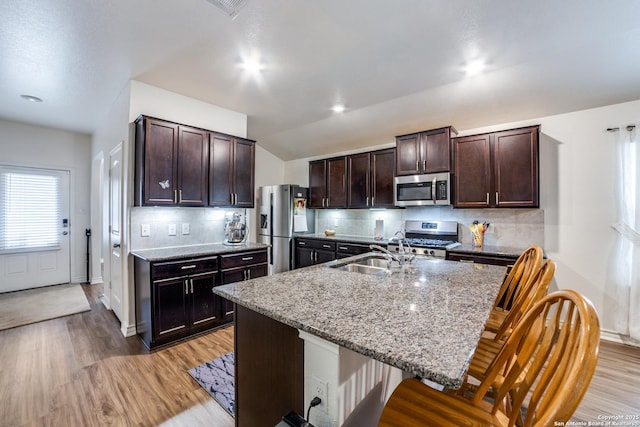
{"x":366,"y":240}
{"x":425,"y":318}
{"x":177,"y":252}
{"x":488,"y":250}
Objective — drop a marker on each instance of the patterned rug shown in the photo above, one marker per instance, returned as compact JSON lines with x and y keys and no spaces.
{"x":216,"y":377}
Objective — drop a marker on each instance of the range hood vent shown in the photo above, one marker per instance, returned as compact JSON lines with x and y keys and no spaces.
{"x":229,"y":7}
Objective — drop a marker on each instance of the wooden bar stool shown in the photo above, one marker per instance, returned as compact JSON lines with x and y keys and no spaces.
{"x":546,"y":366}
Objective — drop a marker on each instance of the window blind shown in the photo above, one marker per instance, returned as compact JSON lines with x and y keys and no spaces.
{"x":30,"y":209}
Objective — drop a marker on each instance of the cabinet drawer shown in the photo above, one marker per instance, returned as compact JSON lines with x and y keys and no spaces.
{"x":170,"y":269}
{"x":316,"y":244}
{"x":243,"y":258}
{"x":352,"y":249}
{"x":504,"y":260}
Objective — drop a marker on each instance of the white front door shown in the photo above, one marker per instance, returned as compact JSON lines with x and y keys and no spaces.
{"x":115,"y":229}
{"x":34,"y":228}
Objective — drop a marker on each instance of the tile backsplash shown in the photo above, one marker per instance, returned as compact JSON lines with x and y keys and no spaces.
{"x":206,"y":225}
{"x":509,"y":227}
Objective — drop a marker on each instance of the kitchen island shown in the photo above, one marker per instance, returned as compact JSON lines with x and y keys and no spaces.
{"x":424,"y":318}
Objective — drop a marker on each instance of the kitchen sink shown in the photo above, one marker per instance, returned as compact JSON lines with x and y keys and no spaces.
{"x":364,"y":269}
{"x":372,"y":264}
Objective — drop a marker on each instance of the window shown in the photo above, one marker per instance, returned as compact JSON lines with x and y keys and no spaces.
{"x":30,"y":209}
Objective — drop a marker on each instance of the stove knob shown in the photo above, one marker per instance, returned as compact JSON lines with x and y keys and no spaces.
{"x":414,"y":251}
{"x":432,"y":253}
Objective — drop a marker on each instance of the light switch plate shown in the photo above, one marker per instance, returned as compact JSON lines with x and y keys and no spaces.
{"x":185,"y":228}
{"x":172,"y":229}
{"x":145,"y":230}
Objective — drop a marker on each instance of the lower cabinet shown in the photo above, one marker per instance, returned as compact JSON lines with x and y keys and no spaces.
{"x":174,"y":299}
{"x":238,"y":267}
{"x":313,"y":251}
{"x":488,"y":258}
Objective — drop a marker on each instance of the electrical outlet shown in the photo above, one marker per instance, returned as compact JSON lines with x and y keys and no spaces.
{"x":172,"y":229}
{"x":185,"y":228}
{"x":145,"y":230}
{"x":320,"y":388}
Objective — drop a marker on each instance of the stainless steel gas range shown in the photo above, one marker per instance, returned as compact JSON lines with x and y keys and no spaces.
{"x":426,"y":238}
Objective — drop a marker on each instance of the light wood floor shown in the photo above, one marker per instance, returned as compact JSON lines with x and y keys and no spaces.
{"x":80,"y":371}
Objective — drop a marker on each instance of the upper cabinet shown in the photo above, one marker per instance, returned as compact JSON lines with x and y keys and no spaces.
{"x":178,"y":165}
{"x":171,"y":163}
{"x":327,"y":183}
{"x":370,"y":179}
{"x":499,"y":169}
{"x":231,"y":176}
{"x":424,"y":152}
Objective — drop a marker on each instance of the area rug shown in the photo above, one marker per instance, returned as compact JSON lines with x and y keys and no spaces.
{"x":35,"y":305}
{"x":216,"y":377}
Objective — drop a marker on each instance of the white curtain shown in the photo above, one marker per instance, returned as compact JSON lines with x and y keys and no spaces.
{"x":627,"y":256}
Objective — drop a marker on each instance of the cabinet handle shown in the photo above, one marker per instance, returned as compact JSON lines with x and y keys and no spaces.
{"x":248,"y":274}
{"x":497,"y":199}
{"x":301,"y":243}
{"x":343,"y":248}
{"x":367,"y":201}
{"x":311,"y":255}
{"x":235,"y":198}
{"x":487,"y":199}
{"x":187,"y":267}
{"x":191,"y":280}
{"x":179,"y":196}
{"x":175,"y":197}
{"x":418,"y":165}
{"x":247,"y":258}
{"x":231,"y":197}
{"x":424,"y":165}
{"x":186,"y":287}
{"x":244,"y":274}
{"x":326,"y":246}
{"x":315,"y":256}
{"x":373,"y":201}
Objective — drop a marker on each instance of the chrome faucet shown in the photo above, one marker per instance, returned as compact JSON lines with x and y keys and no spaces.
{"x":401,"y":251}
{"x":390,"y":256}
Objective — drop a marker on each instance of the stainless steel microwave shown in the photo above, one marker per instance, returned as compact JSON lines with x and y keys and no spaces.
{"x":423,"y":190}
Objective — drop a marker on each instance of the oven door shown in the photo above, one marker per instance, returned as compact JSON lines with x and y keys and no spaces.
{"x":422,"y":190}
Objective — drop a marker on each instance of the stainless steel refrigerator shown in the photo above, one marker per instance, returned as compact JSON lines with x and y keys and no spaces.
{"x":283,"y":213}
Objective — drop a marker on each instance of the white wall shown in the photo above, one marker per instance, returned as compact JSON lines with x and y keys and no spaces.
{"x":28,"y":145}
{"x":577,"y":176}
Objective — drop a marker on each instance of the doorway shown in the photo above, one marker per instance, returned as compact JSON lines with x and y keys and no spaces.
{"x":35,"y":227}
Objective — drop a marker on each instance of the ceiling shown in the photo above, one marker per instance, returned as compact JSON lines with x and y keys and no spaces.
{"x":396,"y":66}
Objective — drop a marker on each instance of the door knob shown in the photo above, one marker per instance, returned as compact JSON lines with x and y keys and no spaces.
{"x":116,"y":245}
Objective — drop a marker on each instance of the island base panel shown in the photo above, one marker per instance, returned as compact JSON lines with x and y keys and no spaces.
{"x":269,"y":369}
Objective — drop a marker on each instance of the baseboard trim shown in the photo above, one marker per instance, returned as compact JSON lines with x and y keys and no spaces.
{"x":128,"y":331}
{"x":613,"y":336}
{"x":97,"y":280}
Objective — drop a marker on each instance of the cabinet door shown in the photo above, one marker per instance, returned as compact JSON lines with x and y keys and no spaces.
{"x":193,"y":151}
{"x":259,"y":270}
{"x":317,"y":183}
{"x":244,"y":177}
{"x":304,"y":257}
{"x":323,"y":256}
{"x":408,"y":154}
{"x":383,"y":170}
{"x":160,"y":162}
{"x":220,"y":169}
{"x":171,"y":317}
{"x":358,"y":180}
{"x":336,"y":182}
{"x":516,"y":168}
{"x":436,"y":156}
{"x":472,"y":179}
{"x":205,"y":305}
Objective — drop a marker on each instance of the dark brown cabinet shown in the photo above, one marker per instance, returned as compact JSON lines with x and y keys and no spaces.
{"x":238,"y":267}
{"x":174,"y":299}
{"x":231,"y":171}
{"x":344,"y":250}
{"x":370,"y":179}
{"x":171,"y":163}
{"x":424,"y":152}
{"x":327,"y":183}
{"x":499,"y":169}
{"x":313,"y":251}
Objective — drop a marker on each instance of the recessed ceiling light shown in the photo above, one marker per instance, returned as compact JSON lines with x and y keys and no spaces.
{"x":31,"y":98}
{"x":252,"y":65}
{"x":338,"y":108}
{"x":474,"y":68}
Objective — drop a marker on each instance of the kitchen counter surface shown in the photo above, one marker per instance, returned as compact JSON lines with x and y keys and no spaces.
{"x":346,"y":238}
{"x":488,"y":250}
{"x":425,"y":318}
{"x":177,"y":252}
